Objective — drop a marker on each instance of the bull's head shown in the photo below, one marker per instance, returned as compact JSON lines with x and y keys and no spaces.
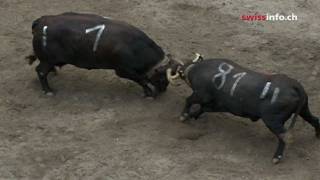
{"x":178,"y":71}
{"x":159,"y":74}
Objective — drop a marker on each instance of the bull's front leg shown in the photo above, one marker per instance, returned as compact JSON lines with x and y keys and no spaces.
{"x":149,"y":90}
{"x":187,"y":110}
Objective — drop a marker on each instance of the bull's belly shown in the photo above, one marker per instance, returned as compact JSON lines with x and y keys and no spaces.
{"x":91,"y":64}
{"x":242,"y":109}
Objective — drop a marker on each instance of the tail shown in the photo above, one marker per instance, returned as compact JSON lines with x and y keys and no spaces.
{"x":302,"y":102}
{"x":35,"y":24}
{"x":31,"y":59}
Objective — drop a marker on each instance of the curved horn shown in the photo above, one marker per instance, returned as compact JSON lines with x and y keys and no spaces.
{"x":172,"y":78}
{"x":198,"y":58}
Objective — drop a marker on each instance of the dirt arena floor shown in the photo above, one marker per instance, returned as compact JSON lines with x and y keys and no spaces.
{"x":98,"y":126}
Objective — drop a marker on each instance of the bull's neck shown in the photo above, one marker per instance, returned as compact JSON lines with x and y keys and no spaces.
{"x":153,"y":69}
{"x":186,"y":73}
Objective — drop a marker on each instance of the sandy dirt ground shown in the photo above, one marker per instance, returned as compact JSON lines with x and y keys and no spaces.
{"x":99,"y":127}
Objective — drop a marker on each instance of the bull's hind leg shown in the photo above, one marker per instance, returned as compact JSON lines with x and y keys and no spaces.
{"x":276,"y":126}
{"x":193,"y":99}
{"x":311,"y":119}
{"x":43,"y":70}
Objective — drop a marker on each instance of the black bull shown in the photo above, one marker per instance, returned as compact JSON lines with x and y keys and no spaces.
{"x":220,"y":85}
{"x":95,"y":42}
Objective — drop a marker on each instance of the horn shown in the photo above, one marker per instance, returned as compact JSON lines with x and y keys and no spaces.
{"x":172,"y":78}
{"x":198,"y":58}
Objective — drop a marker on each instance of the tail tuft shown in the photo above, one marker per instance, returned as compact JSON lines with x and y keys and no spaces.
{"x":31,"y":58}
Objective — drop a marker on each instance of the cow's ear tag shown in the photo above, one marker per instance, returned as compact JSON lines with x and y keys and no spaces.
{"x":198,"y":58}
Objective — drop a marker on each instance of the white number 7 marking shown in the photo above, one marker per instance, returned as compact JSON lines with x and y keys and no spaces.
{"x":100,"y":29}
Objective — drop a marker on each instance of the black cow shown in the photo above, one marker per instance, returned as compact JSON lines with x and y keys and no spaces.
{"x":95,"y":42}
{"x":220,"y":85}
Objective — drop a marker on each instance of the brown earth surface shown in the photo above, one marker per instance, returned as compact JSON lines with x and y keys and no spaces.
{"x":98,"y":126}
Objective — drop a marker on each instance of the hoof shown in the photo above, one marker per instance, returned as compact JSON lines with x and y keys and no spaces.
{"x":49,"y":93}
{"x":184,"y":117}
{"x":150,"y":98}
{"x":277,"y":159}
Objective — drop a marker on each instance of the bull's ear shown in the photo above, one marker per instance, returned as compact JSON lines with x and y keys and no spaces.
{"x":198,"y":58}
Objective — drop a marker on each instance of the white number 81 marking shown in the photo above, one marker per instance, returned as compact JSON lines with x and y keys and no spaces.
{"x":100,"y":29}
